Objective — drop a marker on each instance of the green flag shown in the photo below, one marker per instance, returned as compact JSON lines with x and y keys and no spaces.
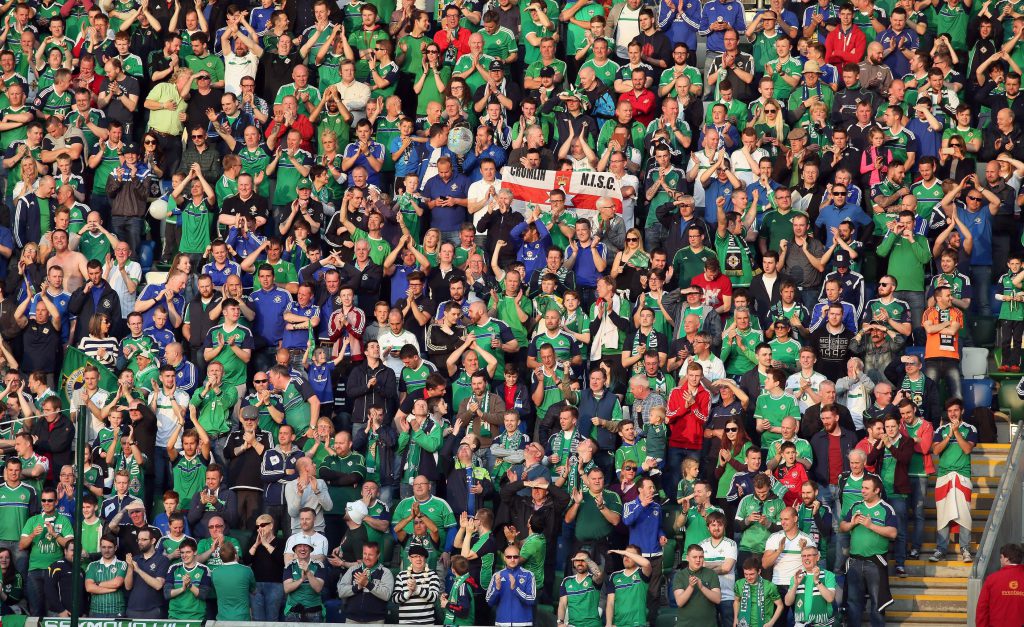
{"x":73,"y":371}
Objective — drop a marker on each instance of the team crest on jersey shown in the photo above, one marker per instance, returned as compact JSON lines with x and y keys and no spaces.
{"x":278,"y":299}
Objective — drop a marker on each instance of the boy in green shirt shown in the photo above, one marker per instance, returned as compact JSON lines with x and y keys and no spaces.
{"x":187,"y":585}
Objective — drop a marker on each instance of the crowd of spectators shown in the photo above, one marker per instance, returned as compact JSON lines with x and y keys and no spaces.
{"x":336,"y":371}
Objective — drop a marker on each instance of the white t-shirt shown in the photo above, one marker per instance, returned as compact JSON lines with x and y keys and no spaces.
{"x":165,"y":419}
{"x":477,"y":192}
{"x":629,"y":204}
{"x":714,"y":556}
{"x":793,"y":389}
{"x":789,"y":561}
{"x":117,"y":283}
{"x":236,"y":68}
{"x":391,"y":344}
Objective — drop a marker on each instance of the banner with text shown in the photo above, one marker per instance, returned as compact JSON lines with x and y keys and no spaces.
{"x":582,"y":189}
{"x":118,"y":622}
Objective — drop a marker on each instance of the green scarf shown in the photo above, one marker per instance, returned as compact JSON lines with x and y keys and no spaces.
{"x":449,"y":615}
{"x":752,"y":605}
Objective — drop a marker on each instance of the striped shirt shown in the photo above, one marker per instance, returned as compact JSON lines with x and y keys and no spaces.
{"x":417,"y":608}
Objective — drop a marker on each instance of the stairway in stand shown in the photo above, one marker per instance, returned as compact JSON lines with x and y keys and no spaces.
{"x":936,"y":593}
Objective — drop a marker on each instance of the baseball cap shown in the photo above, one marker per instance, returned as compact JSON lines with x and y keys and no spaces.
{"x":841,"y":259}
{"x":304,"y":183}
{"x":249,"y":413}
{"x":496,"y":65}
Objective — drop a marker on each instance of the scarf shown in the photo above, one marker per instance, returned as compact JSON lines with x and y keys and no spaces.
{"x":752,"y":604}
{"x":456,"y":593}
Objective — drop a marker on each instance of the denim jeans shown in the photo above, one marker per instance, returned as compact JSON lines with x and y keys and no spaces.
{"x":915,"y":509}
{"x":154,"y":614}
{"x":899,"y":505}
{"x":809,"y":297}
{"x":916,"y":302}
{"x":726,"y":613}
{"x":129,"y":230}
{"x":267,"y":601}
{"x":942,"y":541}
{"x":654,"y":237}
{"x":947,"y":369}
{"x":863,"y":578}
{"x":35,"y":591}
{"x":981,"y":281}
{"x":674,"y":470}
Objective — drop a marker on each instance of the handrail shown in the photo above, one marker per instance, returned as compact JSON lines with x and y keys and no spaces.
{"x":1005,"y":522}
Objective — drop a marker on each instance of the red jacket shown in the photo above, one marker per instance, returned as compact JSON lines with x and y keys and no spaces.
{"x":840,"y":50}
{"x":1002,"y":598}
{"x":644,"y":104}
{"x":686,"y":424}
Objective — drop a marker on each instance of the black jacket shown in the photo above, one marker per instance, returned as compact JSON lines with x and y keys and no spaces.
{"x":384,"y":392}
{"x":59,"y":586}
{"x":82,"y":305}
{"x":516,"y":510}
{"x":387,"y":442}
{"x":763,"y":300}
{"x":55,"y":443}
{"x":820,"y":446}
{"x":366,"y":283}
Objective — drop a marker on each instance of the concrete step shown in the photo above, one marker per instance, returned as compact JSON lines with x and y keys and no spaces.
{"x":990,"y":466}
{"x":977,"y":526}
{"x":934,"y":619}
{"x":945,"y":601}
{"x":950,"y":567}
{"x":914,"y":585}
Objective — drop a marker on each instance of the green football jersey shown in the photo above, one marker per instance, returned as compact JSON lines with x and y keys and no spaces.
{"x":583,"y":598}
{"x":755,"y":536}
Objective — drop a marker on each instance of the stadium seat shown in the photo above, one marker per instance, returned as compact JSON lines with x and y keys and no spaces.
{"x":974,"y":364}
{"x":977,"y":393}
{"x":1009,"y":401}
{"x":983,"y":330}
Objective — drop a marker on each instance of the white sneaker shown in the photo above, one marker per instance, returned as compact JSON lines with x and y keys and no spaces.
{"x":937,"y":556}
{"x":965,"y":555}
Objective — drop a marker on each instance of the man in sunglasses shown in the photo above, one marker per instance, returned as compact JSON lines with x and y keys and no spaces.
{"x":47,"y":533}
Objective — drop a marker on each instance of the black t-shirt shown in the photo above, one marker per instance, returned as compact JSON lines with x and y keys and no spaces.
{"x":254,"y":207}
{"x":128,"y":539}
{"x":41,"y":344}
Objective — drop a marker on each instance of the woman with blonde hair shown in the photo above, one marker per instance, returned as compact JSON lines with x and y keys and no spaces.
{"x":29,"y":181}
{"x":431,"y":246}
{"x":771,"y":127}
{"x":631,"y":263}
{"x":331,"y":158}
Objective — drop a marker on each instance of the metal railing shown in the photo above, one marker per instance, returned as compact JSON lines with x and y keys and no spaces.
{"x":1005,"y":522}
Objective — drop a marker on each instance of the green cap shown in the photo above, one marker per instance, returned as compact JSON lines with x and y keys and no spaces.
{"x":304,"y":183}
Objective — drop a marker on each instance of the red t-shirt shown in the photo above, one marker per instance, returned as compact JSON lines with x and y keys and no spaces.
{"x":713,"y":290}
{"x":835,"y":459}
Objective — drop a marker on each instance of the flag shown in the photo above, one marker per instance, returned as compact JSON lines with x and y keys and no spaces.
{"x":582,"y":189}
{"x":71,"y":375}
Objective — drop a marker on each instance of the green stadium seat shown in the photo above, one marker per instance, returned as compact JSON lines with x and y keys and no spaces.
{"x":1009,"y":401}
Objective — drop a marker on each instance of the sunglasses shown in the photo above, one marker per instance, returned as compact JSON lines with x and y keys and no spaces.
{"x":214,"y":526}
{"x":629,"y":468}
{"x":198,"y":136}
{"x":838,"y":193}
{"x":731,"y":430}
{"x":974,"y":198}
{"x":48,"y":500}
{"x":771,"y":110}
{"x":258,"y":381}
{"x":149,"y":142}
{"x":202,"y":78}
{"x":511,"y":557}
{"x":632,"y":239}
